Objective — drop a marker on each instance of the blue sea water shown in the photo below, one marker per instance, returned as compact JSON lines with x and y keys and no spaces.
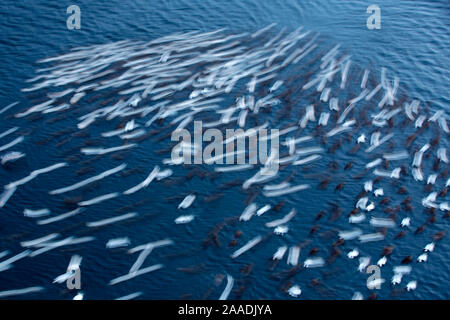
{"x":413,"y":43}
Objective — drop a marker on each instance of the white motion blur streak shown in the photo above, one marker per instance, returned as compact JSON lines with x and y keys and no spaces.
{"x":89,"y":180}
{"x":227,"y":290}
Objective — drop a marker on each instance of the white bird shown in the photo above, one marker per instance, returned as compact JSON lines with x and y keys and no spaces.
{"x":412,"y":285}
{"x":368,"y":185}
{"x":397,"y":278}
{"x":423,"y":257}
{"x":186,"y":203}
{"x":353,"y":254}
{"x":248,"y":212}
{"x":129,"y":126}
{"x":263,"y":210}
{"x":280,"y":230}
{"x":429,"y":247}
{"x":382,"y":261}
{"x":405,"y":222}
{"x":362,"y":138}
{"x":184,"y":219}
{"x":314,"y":262}
{"x":118,"y":242}
{"x":370,"y":207}
{"x":443,"y":206}
{"x":295,"y":291}
{"x":278,"y":255}
{"x":79,"y":296}
{"x":432,"y":179}
{"x":362,"y":202}
{"x":378,"y":192}
{"x":363,"y":263}
{"x":357,"y":296}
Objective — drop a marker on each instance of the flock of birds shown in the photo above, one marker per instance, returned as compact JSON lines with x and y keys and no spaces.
{"x":328,"y":111}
